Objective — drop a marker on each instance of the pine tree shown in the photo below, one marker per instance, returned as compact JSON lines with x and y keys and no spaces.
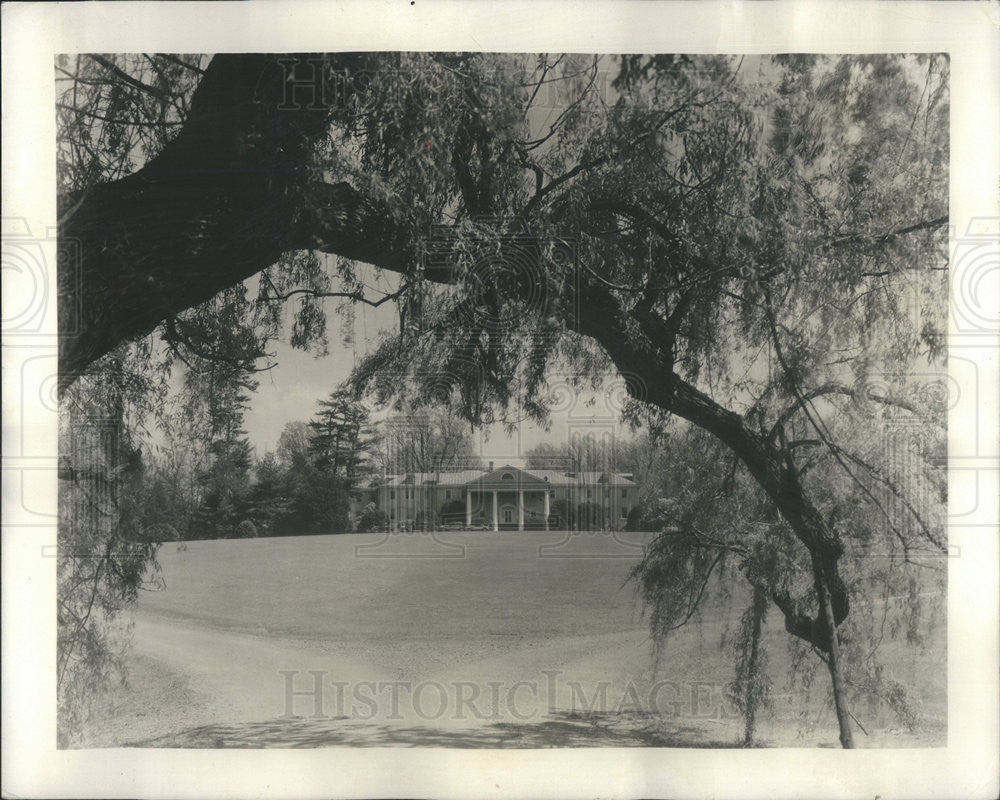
{"x":227,"y":478}
{"x":342,"y":438}
{"x":270,"y":503}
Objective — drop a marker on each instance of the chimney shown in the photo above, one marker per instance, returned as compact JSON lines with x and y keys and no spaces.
{"x":491,"y":467}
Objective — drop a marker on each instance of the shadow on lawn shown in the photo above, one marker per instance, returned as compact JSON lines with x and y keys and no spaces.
{"x":561,"y":729}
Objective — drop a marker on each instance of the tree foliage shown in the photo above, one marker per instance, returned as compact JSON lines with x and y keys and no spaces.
{"x":342,"y":438}
{"x":721,"y":539}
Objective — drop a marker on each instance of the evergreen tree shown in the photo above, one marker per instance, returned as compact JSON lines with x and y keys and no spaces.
{"x":342,"y":438}
{"x":325,"y":460}
{"x":226,"y":479}
{"x":269,"y":503}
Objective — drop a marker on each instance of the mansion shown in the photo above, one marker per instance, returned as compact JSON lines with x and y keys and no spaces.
{"x":508,"y":498}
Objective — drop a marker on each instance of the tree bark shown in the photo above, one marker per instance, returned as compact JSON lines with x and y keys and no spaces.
{"x":833,"y":661}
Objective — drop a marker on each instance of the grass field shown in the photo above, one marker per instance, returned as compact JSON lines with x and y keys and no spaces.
{"x":456,"y":639}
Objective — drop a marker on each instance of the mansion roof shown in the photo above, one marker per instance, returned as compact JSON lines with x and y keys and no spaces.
{"x":507,"y":475}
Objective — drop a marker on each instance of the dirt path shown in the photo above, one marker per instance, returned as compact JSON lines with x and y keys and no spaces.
{"x":251,"y":690}
{"x":490,"y":692}
{"x":183,"y":676}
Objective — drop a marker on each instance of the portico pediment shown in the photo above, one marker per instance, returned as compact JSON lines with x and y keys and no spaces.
{"x":507,"y":478}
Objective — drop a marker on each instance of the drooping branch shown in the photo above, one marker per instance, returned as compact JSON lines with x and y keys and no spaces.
{"x":816,"y":422}
{"x":624,"y":150}
{"x":174,"y":335}
{"x":771,"y":466}
{"x":138,"y":123}
{"x":880,"y":476}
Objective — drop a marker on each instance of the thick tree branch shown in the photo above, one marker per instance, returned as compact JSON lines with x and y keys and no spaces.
{"x":771,"y":467}
{"x":222,"y":201}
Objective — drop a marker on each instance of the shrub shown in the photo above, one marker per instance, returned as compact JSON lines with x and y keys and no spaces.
{"x":426,"y":520}
{"x":635,"y":521}
{"x":245,"y":530}
{"x":371,"y":519}
{"x":162,"y":532}
{"x":563,"y":511}
{"x":453,"y":511}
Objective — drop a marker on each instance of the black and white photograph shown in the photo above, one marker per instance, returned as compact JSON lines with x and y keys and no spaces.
{"x":492,"y":398}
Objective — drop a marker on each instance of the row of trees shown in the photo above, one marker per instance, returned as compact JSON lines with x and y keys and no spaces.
{"x":205,"y":482}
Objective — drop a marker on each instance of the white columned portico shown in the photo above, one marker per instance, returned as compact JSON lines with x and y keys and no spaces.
{"x":468,"y":508}
{"x":520,"y":509}
{"x":546,"y":507}
{"x":496,"y":520}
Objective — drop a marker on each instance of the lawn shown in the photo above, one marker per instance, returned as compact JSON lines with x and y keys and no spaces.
{"x":480,"y":609}
{"x":385,"y":586}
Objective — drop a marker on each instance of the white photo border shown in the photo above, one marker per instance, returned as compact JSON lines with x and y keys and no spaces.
{"x":33,"y":33}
